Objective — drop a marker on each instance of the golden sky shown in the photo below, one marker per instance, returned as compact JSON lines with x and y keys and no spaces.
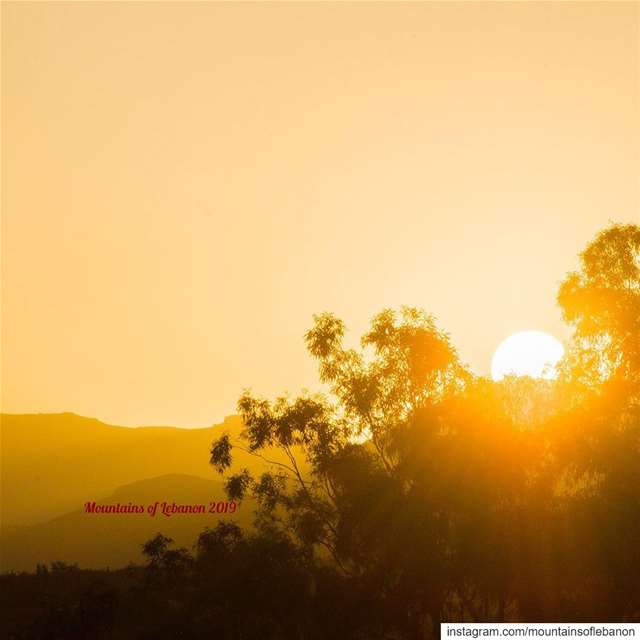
{"x":185,"y":184}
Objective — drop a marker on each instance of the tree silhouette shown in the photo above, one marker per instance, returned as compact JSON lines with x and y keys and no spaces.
{"x":437,"y":490}
{"x":602,"y":302}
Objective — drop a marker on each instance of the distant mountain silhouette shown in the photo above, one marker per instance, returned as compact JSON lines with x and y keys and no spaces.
{"x":114,"y":540}
{"x":51,"y":464}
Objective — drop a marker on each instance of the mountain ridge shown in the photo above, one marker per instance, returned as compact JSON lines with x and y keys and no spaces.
{"x":53,"y":462}
{"x":77,"y":416}
{"x":97,"y":541}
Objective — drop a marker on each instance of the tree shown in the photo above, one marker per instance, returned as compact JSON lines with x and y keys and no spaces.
{"x":601,"y":300}
{"x":365,"y":480}
{"x":441,"y":495}
{"x":597,"y":438}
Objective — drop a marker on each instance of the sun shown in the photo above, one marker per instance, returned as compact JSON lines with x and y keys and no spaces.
{"x":527,"y":353}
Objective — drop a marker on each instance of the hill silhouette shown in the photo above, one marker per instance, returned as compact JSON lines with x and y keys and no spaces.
{"x":114,"y":540}
{"x":53,"y":463}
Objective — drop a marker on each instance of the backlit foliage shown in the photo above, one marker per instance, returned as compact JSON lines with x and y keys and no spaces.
{"x":449,"y":496}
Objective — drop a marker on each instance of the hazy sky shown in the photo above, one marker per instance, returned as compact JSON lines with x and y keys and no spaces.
{"x":185,"y":184}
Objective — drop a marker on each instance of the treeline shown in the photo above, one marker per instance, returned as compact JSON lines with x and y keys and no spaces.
{"x":413,"y":492}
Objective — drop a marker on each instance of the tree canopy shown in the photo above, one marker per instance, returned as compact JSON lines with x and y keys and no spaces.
{"x":450,"y":496}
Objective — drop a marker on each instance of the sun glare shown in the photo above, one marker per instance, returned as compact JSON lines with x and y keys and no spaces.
{"x":527,"y":353}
